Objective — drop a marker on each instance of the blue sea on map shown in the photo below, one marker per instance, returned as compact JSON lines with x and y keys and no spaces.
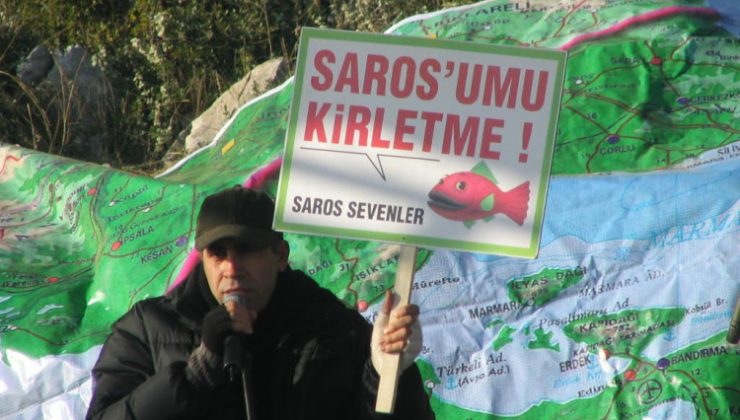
{"x":730,"y":11}
{"x":643,"y":242}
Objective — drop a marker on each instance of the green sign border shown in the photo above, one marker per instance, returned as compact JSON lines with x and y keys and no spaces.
{"x":434,"y":242}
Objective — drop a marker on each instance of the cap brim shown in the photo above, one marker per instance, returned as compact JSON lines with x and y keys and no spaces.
{"x":254,"y":238}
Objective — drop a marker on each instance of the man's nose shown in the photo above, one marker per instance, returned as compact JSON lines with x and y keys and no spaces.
{"x":231,"y":262}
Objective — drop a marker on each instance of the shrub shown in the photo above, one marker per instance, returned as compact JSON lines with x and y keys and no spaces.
{"x":165,"y":61}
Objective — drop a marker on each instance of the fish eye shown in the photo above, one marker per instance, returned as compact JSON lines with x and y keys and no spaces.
{"x":460,"y":185}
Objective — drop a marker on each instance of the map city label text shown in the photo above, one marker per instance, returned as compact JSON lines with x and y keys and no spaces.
{"x":376,"y":268}
{"x":155,"y":254}
{"x":618,"y":323}
{"x":138,"y":234}
{"x":423,"y":284}
{"x":591,"y":391}
{"x":460,"y":369}
{"x":698,"y":308}
{"x":576,"y":363}
{"x":493,"y":309}
{"x":572,"y":317}
{"x":699,"y":354}
{"x":593,"y":291}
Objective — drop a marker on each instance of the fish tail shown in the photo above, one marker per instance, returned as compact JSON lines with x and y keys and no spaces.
{"x":515,"y":203}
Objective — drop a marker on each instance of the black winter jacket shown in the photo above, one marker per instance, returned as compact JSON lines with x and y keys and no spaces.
{"x":311,"y":361}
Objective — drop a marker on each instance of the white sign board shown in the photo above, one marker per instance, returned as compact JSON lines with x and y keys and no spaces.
{"x":419,"y":141}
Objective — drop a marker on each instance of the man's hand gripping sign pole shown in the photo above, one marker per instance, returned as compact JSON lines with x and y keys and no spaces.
{"x":419,"y":142}
{"x":391,"y":364}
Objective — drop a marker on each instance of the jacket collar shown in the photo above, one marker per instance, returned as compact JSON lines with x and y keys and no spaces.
{"x":297,"y":300}
{"x":188,"y":299}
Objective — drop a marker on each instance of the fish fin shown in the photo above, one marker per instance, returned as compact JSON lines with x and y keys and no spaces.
{"x":468,"y":223}
{"x":515,"y":203}
{"x":482,"y":169}
{"x":487,"y":203}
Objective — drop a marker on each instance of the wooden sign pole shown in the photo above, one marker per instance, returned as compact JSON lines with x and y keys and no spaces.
{"x":390,"y":371}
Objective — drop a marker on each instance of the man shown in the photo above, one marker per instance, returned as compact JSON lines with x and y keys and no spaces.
{"x":311,"y":357}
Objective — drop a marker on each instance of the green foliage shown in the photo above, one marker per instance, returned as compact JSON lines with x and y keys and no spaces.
{"x":165,"y":61}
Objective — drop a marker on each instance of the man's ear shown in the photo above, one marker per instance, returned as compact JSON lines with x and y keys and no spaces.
{"x":282,"y":249}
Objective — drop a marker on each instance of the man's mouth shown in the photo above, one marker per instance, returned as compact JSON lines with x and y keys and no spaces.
{"x":240,"y":290}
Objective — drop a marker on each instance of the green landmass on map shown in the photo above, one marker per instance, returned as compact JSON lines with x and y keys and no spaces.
{"x":697,"y":374}
{"x":540,"y":288}
{"x":358,"y":272}
{"x":494,"y":322}
{"x":700,"y":374}
{"x":624,"y":122}
{"x":631,"y":100}
{"x":542,"y":340}
{"x":627,"y":331}
{"x":707,"y":365}
{"x":429,"y":377}
{"x":503,"y":337}
{"x":102,"y":221}
{"x":253,"y":139}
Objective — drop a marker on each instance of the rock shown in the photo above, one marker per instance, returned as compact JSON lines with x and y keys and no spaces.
{"x":77,"y":97}
{"x":36,"y":66}
{"x":263,"y":77}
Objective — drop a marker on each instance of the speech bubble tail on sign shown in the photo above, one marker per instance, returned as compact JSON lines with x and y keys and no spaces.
{"x":377,"y":164}
{"x":378,"y":167}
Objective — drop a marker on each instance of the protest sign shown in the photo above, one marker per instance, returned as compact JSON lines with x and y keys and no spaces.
{"x":420,"y":141}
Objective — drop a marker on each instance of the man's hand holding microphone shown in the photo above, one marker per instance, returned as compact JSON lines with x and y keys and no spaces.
{"x":226,"y":328}
{"x":223,"y":334}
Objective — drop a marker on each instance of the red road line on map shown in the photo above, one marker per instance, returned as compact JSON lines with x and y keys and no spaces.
{"x":564,"y":21}
{"x":141,"y":287}
{"x":646,"y":17}
{"x":635,"y":113}
{"x":39,"y":336}
{"x":354,"y":261}
{"x":698,"y":386}
{"x":655,"y":369}
{"x":191,"y":261}
{"x":96,"y":227}
{"x":621,"y":388}
{"x":61,"y":343}
{"x":2,"y":169}
{"x":648,"y":114}
{"x":598,"y":145}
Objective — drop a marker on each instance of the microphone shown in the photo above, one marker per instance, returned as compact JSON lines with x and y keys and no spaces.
{"x":234,"y":344}
{"x":238,"y":360}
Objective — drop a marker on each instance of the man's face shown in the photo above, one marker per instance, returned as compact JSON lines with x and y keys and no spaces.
{"x":231,"y":268}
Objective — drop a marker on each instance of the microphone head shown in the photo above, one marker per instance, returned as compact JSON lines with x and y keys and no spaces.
{"x":236,"y":297}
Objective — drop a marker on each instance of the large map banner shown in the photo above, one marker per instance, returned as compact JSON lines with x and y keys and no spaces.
{"x":623,"y":314}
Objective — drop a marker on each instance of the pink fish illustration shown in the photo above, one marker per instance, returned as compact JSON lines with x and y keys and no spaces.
{"x":471,"y":196}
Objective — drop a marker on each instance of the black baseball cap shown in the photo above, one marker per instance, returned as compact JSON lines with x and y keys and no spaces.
{"x":237,"y":213}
